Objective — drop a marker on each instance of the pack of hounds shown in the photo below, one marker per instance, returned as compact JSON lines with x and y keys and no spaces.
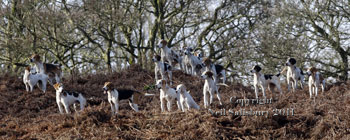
{"x":190,"y":62}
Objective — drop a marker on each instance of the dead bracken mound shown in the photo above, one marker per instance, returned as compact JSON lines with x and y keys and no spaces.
{"x":35,"y":115}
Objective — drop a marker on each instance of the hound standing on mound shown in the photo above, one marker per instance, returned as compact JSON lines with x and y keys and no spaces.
{"x":265,"y":81}
{"x":114,"y":96}
{"x":52,"y":70}
{"x":67,"y":98}
{"x":164,"y":69}
{"x":169,"y":94}
{"x":294,"y":74}
{"x":315,"y":80}
{"x":211,"y":87}
{"x":186,"y":99}
{"x":30,"y":80}
{"x":168,"y":55}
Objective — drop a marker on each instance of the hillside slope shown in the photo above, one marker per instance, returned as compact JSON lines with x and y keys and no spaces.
{"x":35,"y":115}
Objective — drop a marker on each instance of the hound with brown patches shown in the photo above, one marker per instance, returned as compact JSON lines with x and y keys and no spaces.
{"x":315,"y":80}
{"x":114,"y":96}
{"x":52,"y":70}
{"x":67,"y":98}
{"x":211,"y":87}
{"x":164,"y":69}
{"x":265,"y":81}
{"x":167,"y":94}
{"x":218,"y":70}
{"x":168,"y":55}
{"x":294,"y":75}
{"x":30,"y":80}
{"x":186,"y":99}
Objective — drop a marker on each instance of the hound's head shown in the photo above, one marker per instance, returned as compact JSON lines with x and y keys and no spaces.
{"x":35,"y":58}
{"x":156,"y":58}
{"x":181,"y":88}
{"x":28,"y":69}
{"x":207,"y":74}
{"x":255,"y":69}
{"x":291,"y":62}
{"x":311,"y":70}
{"x":107,"y":87}
{"x":188,"y":51}
{"x":58,"y":87}
{"x":161,"y":83}
{"x":162,"y":44}
{"x":207,"y":62}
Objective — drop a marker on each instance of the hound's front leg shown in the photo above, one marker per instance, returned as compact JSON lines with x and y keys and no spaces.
{"x":211,"y":97}
{"x":60,"y":107}
{"x":169,"y":104}
{"x":263,"y":89}
{"x":66,"y":107}
{"x":27,"y":87}
{"x":170,"y":74}
{"x":256,"y":91}
{"x":162,"y":104}
{"x":310,"y":90}
{"x":316,"y":90}
{"x":112,"y":108}
{"x":155,"y":74}
{"x":205,"y":98}
{"x":288,"y":83}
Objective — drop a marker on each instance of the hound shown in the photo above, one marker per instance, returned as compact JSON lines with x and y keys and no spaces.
{"x":211,"y":87}
{"x":192,"y":64}
{"x":218,"y":70}
{"x":67,"y":98}
{"x":114,"y":96}
{"x":166,"y":52}
{"x":315,"y":80}
{"x":30,"y":80}
{"x":186,"y":99}
{"x":169,"y":94}
{"x":52,"y":70}
{"x":164,"y":69}
{"x":294,"y":74}
{"x":265,"y":81}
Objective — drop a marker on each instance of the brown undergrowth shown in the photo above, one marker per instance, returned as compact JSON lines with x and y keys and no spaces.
{"x":35,"y":115}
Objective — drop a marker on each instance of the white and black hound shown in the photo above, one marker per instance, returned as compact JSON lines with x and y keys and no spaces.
{"x":30,"y":80}
{"x":186,"y":99}
{"x":315,"y":80}
{"x":192,"y":64}
{"x":294,"y":74}
{"x":114,"y":96}
{"x":169,"y":94}
{"x":52,"y":70}
{"x":164,"y":69}
{"x":67,"y":98}
{"x":210,"y":87}
{"x":218,"y":70}
{"x":265,"y":81}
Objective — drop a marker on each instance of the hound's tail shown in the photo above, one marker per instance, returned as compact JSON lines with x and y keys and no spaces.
{"x":148,"y":94}
{"x":222,"y":84}
{"x":278,"y":75}
{"x":284,"y":70}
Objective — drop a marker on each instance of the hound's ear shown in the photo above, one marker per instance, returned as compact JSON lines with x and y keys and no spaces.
{"x":56,"y":86}
{"x":292,"y":61}
{"x":209,"y":74}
